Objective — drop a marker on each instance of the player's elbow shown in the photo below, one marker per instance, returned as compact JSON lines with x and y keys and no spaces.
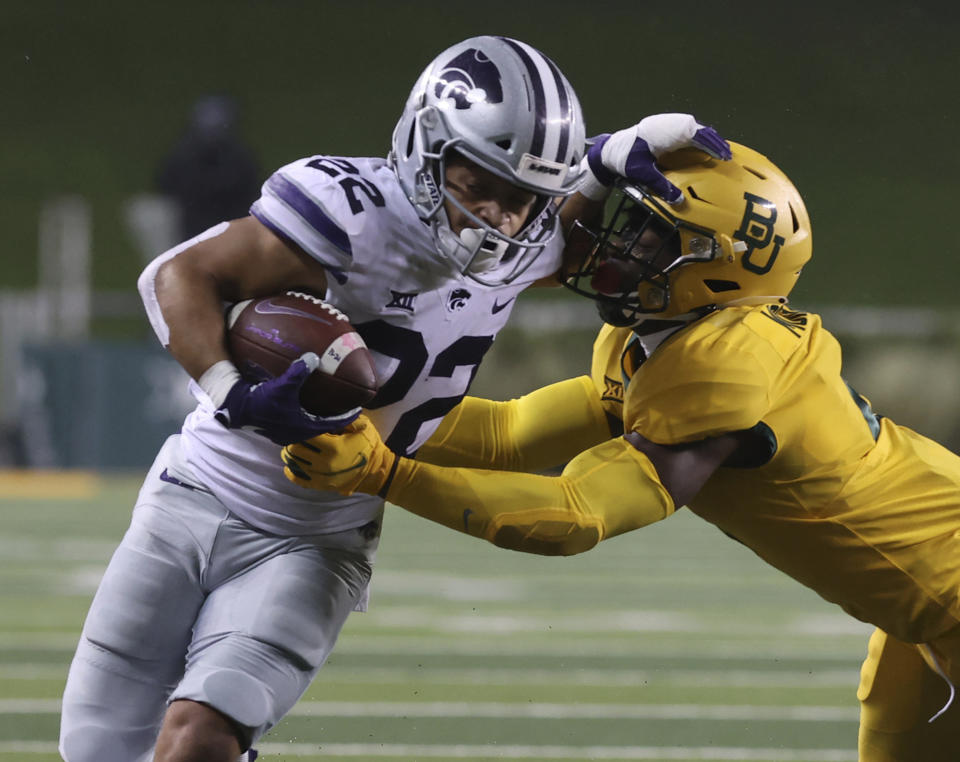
{"x":146,"y":283}
{"x":548,"y":536}
{"x":147,"y":286}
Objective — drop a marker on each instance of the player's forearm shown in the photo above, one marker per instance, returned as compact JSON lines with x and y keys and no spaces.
{"x":589,"y":214}
{"x":184,"y":290}
{"x":605,"y":491}
{"x":192,"y":307}
{"x":542,"y":429}
{"x":148,"y":284}
{"x":579,"y":208}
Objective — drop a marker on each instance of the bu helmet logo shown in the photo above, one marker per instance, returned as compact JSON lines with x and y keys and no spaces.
{"x":469,"y":78}
{"x":756,"y":231}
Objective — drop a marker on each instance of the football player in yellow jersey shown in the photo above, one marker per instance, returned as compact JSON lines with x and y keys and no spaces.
{"x":734,"y":406}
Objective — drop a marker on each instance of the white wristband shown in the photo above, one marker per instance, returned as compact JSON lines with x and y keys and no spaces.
{"x":590,"y":186}
{"x":218,"y":380}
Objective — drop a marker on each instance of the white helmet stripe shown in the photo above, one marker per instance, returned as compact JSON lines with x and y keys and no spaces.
{"x":557,"y":123}
{"x":566,"y":112}
{"x":539,"y":98}
{"x":551,"y":103}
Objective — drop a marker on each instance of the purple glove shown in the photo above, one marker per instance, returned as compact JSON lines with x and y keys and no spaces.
{"x":632,"y":153}
{"x":272,"y":408}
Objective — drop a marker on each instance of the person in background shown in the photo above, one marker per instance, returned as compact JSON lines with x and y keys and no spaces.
{"x":210,"y":172}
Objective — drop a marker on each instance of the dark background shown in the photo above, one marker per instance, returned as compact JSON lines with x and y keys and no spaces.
{"x":857,"y":102}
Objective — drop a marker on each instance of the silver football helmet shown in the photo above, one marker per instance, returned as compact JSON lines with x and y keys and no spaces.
{"x":504,"y":105}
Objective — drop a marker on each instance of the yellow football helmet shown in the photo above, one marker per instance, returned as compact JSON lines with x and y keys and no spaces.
{"x":740,"y":236}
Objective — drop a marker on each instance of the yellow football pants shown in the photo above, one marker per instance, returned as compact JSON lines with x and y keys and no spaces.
{"x":900,"y":690}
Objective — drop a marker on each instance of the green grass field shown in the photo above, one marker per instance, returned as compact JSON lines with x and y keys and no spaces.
{"x":674,"y":643}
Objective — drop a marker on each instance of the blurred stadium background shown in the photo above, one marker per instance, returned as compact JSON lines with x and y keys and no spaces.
{"x":672,"y":645}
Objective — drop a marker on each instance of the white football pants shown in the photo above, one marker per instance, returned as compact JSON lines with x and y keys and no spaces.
{"x":196,"y":604}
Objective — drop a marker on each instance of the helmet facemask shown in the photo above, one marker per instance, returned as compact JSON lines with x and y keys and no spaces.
{"x":480,"y":251}
{"x":628,"y":266}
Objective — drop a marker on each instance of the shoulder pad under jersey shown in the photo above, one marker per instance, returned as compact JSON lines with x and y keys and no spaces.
{"x":320,"y":204}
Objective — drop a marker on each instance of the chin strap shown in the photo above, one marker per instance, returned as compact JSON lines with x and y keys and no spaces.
{"x":487,"y":251}
{"x":953,"y":690}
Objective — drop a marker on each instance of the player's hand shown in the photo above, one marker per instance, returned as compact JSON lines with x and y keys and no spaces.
{"x":355,"y":460}
{"x":632,"y":153}
{"x":272,"y":408}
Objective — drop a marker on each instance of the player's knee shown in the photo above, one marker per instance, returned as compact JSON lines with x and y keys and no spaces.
{"x":95,"y":743}
{"x":237,"y":696}
{"x":110,"y":711}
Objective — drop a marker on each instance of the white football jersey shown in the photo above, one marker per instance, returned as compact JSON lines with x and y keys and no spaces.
{"x":427,"y":326}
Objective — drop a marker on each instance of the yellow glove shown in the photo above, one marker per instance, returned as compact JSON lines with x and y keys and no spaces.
{"x":353,"y":460}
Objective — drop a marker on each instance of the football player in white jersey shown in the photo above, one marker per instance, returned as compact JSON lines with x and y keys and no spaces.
{"x":231,"y":585}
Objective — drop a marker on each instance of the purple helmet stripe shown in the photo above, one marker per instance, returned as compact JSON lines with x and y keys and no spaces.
{"x":566,"y":108}
{"x":309,"y":211}
{"x":540,"y":101}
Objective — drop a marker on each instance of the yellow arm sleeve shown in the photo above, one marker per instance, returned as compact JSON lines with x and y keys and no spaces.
{"x":604,"y":491}
{"x":542,"y":429}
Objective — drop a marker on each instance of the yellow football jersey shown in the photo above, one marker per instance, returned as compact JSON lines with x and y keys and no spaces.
{"x":863,"y":511}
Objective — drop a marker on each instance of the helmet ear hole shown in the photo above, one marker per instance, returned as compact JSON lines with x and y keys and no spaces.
{"x":505,"y":144}
{"x":413,"y":128}
{"x":719,"y":286}
{"x":793,"y":218}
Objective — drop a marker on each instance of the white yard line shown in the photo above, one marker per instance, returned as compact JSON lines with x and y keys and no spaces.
{"x":565,"y":752}
{"x":539,"y":710}
{"x":54,"y":641}
{"x":416,"y":751}
{"x":801,"y":646}
{"x":30,"y":671}
{"x":549,"y":711}
{"x":598,"y":678}
{"x":601,"y":623}
{"x":804,"y":645}
{"x":28,"y":747}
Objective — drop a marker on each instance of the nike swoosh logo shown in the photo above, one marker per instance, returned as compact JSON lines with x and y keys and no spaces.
{"x":166,"y":477}
{"x":466,"y":520}
{"x":269,"y":308}
{"x":497,"y":306}
{"x":361,"y":462}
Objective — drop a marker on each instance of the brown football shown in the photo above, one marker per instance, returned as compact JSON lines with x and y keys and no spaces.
{"x":265,"y":335}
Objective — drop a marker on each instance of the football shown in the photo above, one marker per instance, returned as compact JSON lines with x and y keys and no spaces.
{"x":265,"y":335}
